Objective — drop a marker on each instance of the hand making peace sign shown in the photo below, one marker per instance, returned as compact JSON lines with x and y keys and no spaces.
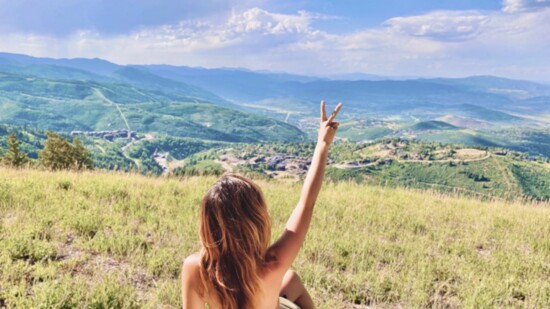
{"x":328,"y":126}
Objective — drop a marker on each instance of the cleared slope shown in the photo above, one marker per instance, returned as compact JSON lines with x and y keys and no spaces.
{"x":65,"y":105}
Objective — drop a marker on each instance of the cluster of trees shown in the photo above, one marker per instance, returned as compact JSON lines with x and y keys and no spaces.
{"x":14,"y":156}
{"x":58,"y":153}
{"x":476,"y":176}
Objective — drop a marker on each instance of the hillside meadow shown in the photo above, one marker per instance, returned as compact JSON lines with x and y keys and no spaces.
{"x":113,"y":240}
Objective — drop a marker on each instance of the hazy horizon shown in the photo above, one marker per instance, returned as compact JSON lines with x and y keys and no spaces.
{"x":351,"y":76}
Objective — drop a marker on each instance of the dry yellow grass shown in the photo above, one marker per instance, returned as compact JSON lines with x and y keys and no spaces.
{"x":102,"y":240}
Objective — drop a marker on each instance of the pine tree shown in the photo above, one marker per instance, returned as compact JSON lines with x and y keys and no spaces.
{"x":82,"y":157}
{"x":14,"y":157}
{"x":56,"y":152}
{"x":59,"y":153}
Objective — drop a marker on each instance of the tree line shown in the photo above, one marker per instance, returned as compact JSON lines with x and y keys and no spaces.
{"x":58,"y":153}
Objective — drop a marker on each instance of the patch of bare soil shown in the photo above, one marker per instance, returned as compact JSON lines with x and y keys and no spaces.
{"x":98,"y":266}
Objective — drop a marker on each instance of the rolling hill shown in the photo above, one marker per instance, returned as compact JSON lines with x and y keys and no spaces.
{"x":67,"y":105}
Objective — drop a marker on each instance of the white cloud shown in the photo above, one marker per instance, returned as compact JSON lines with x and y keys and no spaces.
{"x":444,"y":43}
{"x":514,"y":6}
{"x":441,"y":25}
{"x":245,"y":29}
{"x":258,"y":20}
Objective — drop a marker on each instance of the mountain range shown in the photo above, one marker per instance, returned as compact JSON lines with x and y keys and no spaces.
{"x":242,"y":105}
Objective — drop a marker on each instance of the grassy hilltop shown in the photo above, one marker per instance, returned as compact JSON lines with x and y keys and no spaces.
{"x":102,"y":240}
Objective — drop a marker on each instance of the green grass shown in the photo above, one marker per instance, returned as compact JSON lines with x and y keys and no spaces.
{"x":99,"y":240}
{"x":534,"y":182}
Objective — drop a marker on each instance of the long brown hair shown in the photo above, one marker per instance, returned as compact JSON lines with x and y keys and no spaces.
{"x":235,"y":232}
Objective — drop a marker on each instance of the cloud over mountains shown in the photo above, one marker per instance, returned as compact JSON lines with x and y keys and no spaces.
{"x":442,"y":25}
{"x":507,"y":42}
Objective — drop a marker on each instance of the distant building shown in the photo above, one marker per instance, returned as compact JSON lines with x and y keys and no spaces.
{"x":108,"y":135}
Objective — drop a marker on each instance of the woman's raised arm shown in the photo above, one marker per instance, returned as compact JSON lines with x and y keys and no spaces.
{"x":287,"y":247}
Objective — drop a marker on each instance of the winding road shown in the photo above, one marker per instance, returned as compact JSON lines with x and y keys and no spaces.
{"x":350,"y":167}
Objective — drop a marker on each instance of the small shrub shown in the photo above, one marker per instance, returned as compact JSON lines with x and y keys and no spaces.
{"x":112,"y":294}
{"x":32,"y":250}
{"x":62,"y":295}
{"x":162,"y":263}
{"x":64,"y":185}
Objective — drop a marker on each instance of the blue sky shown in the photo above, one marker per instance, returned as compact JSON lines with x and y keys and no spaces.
{"x":322,"y":37}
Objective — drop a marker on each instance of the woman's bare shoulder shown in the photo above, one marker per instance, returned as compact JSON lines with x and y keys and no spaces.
{"x":192,"y":261}
{"x":191,"y":267}
{"x":190,"y":278}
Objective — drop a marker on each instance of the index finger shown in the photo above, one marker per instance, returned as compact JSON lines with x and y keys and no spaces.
{"x":323,"y":111}
{"x":336,"y":110}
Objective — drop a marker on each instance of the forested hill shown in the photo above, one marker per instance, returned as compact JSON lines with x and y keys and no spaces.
{"x":67,"y":105}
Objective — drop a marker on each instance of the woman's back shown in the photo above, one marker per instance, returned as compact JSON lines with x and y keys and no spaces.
{"x":236,"y":268}
{"x":266,"y":297}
